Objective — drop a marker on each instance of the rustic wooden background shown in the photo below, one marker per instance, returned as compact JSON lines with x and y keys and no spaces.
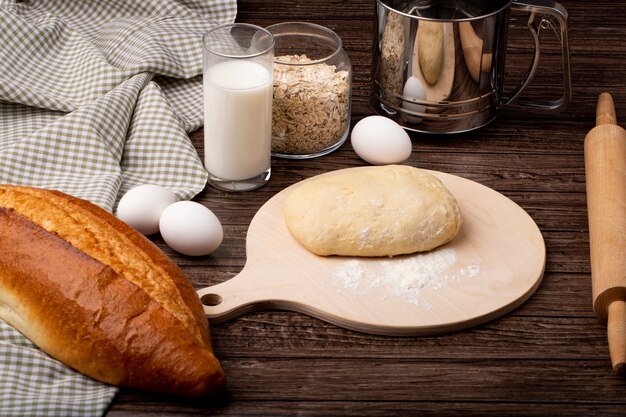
{"x":549,"y":357}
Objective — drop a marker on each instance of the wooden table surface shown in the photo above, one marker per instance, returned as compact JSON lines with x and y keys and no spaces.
{"x":548,"y":357}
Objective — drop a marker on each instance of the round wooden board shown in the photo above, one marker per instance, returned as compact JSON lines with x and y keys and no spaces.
{"x":494,"y":264}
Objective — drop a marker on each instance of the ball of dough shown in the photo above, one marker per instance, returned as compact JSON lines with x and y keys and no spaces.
{"x":372,"y":211}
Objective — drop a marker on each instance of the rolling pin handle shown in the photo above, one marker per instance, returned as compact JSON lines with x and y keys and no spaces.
{"x":616,"y":329}
{"x":605,"y":112}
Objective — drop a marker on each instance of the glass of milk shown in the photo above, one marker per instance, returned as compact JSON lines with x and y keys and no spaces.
{"x":238,"y":61}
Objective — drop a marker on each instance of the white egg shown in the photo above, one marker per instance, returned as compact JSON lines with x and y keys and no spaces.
{"x":380,"y":141}
{"x":141,"y":207}
{"x":190,"y":228}
{"x":413,"y":89}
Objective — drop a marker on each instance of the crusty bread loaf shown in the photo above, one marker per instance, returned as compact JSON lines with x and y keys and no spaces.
{"x":95,"y":294}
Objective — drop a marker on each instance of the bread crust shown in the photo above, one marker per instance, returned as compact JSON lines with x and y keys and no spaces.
{"x":80,"y":304}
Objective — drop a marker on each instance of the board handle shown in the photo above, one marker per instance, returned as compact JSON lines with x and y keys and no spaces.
{"x":238,"y":296}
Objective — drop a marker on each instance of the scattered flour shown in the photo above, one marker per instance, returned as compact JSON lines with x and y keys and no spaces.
{"x":403,"y":277}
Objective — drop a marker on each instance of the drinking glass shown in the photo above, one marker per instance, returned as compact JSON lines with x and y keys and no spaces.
{"x":238,"y":65}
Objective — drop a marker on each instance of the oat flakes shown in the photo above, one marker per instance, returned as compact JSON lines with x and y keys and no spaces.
{"x":311,"y":106}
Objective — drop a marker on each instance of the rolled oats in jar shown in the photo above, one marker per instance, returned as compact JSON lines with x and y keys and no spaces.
{"x":312,"y":91}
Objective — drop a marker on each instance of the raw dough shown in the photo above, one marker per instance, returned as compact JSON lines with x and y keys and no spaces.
{"x":372,"y":211}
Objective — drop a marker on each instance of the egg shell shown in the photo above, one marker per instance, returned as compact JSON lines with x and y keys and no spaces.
{"x":141,"y":207}
{"x":379,"y":140}
{"x":191,"y":228}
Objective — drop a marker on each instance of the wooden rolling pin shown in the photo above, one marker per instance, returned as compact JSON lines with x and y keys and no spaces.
{"x":605,"y":167}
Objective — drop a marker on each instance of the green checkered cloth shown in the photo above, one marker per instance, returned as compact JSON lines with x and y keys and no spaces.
{"x":33,"y":384}
{"x":96,"y":97}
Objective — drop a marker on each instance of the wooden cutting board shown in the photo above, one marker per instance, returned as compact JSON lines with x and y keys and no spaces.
{"x":492,"y":266}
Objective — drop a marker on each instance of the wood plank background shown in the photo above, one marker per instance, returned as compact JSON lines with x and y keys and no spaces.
{"x":547,"y":358}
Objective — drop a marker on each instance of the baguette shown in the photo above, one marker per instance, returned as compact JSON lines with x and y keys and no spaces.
{"x":95,"y":294}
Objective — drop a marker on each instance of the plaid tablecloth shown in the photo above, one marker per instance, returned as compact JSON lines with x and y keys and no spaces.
{"x":33,"y":384}
{"x":96,"y":97}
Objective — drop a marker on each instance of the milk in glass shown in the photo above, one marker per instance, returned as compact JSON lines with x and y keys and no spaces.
{"x":238,"y":119}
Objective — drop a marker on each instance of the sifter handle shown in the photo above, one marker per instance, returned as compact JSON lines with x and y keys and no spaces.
{"x":550,"y":13}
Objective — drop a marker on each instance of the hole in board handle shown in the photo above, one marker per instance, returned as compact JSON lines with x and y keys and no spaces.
{"x":211,"y":300}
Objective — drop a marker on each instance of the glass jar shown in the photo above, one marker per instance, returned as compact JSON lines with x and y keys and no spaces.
{"x":311,"y":105}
